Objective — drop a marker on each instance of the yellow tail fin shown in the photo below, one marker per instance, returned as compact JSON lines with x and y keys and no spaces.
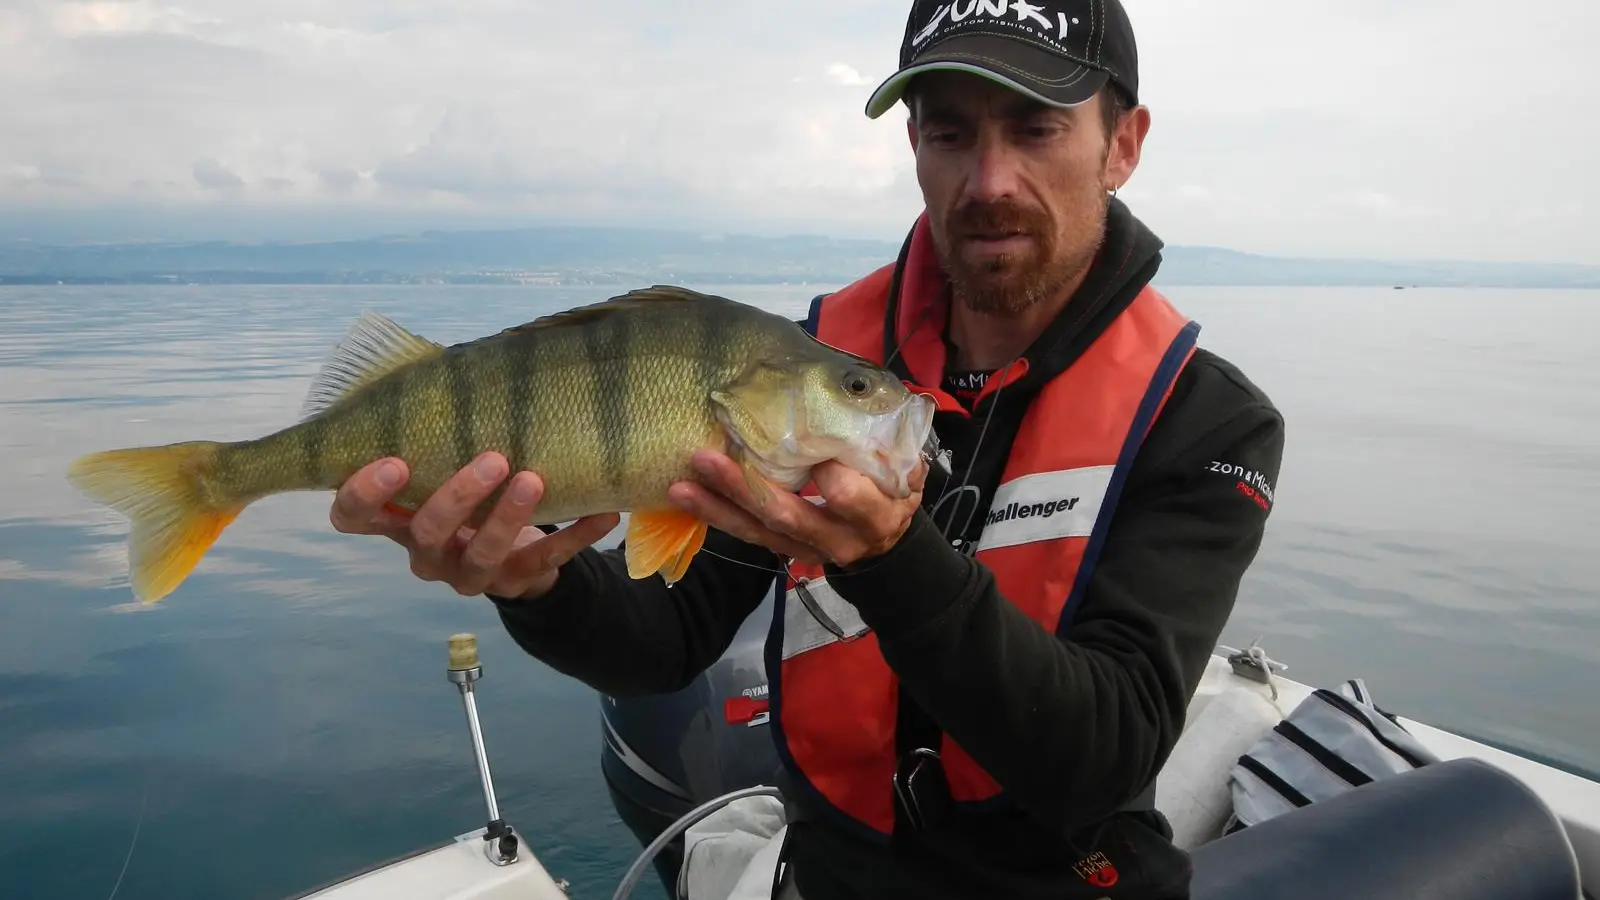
{"x":663,"y":540}
{"x":162,"y":491}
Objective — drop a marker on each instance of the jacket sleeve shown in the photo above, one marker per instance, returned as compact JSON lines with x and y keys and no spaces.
{"x":1074,"y":726}
{"x":630,"y":637}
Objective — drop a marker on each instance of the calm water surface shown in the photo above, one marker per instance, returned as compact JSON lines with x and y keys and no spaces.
{"x":284,"y":717}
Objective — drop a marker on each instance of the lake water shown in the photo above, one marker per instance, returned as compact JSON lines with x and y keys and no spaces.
{"x":284,"y":718}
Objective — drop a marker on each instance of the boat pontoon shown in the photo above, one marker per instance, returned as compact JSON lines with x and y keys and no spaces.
{"x":1480,"y":823}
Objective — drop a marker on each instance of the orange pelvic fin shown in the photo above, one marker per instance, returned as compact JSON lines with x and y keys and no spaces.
{"x":663,"y":540}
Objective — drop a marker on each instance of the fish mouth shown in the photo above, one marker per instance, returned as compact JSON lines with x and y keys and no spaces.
{"x":898,"y":440}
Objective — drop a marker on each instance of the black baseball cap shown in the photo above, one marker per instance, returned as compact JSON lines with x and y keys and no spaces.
{"x":1059,"y":52}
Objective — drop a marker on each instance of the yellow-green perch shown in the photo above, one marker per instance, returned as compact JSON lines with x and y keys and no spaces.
{"x":606,"y":402}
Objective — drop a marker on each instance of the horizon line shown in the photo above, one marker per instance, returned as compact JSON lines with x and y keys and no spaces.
{"x":715,"y":234}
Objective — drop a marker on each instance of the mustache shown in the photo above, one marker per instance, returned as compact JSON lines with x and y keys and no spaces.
{"x":1002,"y":215}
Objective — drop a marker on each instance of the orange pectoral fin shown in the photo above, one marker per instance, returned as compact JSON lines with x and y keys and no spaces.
{"x":663,"y":540}
{"x":399,"y":510}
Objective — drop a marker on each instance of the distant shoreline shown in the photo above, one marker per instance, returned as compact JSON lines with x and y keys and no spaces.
{"x":623,"y":281}
{"x":618,"y":256}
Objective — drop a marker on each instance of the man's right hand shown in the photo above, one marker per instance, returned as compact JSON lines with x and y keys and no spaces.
{"x":504,"y":556}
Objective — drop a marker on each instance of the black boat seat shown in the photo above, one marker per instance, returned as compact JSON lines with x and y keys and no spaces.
{"x":1459,"y":829}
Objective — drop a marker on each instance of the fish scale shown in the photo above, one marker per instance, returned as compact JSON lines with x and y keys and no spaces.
{"x":606,"y":402}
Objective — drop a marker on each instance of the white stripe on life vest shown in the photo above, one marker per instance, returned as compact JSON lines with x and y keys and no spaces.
{"x":803,"y":631}
{"x":1046,"y":506}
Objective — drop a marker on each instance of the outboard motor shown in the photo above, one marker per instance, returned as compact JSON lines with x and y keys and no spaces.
{"x":665,"y":755}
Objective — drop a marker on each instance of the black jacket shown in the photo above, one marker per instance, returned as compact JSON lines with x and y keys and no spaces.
{"x":1073,"y":727}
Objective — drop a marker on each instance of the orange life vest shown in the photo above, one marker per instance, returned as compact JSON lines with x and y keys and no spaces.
{"x":833,"y":698}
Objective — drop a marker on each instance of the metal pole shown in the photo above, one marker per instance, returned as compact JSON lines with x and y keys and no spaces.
{"x":464,"y":671}
{"x":468,"y":695}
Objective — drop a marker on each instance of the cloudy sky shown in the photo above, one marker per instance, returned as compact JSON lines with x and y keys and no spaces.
{"x":1393,"y":128}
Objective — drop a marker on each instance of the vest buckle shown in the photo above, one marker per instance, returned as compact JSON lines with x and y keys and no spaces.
{"x":921,"y":790}
{"x":817,"y":612}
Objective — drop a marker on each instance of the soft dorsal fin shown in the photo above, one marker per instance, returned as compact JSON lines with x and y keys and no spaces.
{"x":651,"y":297}
{"x":374,"y":347}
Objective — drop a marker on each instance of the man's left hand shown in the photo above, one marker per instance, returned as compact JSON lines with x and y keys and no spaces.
{"x":859,"y":521}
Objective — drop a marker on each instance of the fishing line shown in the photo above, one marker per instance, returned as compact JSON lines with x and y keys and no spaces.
{"x":921,"y":320}
{"x":772,"y":571}
{"x":966,"y":474}
{"x":966,"y":471}
{"x":756,"y":566}
{"x":138,"y":826}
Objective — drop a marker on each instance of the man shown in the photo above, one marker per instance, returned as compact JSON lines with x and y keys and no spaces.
{"x":974,"y":688}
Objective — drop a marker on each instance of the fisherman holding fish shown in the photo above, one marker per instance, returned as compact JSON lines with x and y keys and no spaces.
{"x":1040,"y":618}
{"x":978,"y":666}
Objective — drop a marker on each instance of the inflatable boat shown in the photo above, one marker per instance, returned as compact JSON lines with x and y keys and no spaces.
{"x":1474,"y":823}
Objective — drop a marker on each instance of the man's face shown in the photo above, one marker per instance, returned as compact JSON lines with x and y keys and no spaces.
{"x":1016,"y":191}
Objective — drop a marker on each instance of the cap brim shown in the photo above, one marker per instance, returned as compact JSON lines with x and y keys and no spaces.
{"x":1046,"y":77}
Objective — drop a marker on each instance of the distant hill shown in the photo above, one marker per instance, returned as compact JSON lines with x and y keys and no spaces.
{"x":631,"y":256}
{"x":1215,"y":265}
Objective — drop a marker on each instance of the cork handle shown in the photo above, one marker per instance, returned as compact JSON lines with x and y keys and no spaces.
{"x":463,"y":651}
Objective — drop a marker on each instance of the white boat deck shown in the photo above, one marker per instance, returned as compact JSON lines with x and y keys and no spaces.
{"x":462,"y":870}
{"x":1576,"y":800}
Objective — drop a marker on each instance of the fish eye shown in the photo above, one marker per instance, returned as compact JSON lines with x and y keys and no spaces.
{"x":856,"y":383}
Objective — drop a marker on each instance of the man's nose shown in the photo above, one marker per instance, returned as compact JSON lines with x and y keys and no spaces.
{"x":994,"y":169}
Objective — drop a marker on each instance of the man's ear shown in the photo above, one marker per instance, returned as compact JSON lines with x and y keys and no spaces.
{"x":1127,"y":143}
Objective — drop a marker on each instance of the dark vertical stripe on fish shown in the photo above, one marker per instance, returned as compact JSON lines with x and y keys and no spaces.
{"x":610,"y":370}
{"x":391,"y":412}
{"x":311,"y":435}
{"x":460,"y":394}
{"x":517,"y":365}
{"x":487,"y":378}
{"x":707,"y":338}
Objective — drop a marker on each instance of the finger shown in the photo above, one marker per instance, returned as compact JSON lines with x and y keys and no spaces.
{"x":358,"y":506}
{"x":778,"y":510}
{"x":724,"y":515}
{"x":488,"y":546}
{"x":850,"y":495}
{"x":537,"y":561}
{"x":436,"y":524}
{"x":726,"y":477}
{"x":919,"y":477}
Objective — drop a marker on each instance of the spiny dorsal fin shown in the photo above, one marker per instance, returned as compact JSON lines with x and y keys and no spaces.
{"x":374,"y":347}
{"x":639,"y":298}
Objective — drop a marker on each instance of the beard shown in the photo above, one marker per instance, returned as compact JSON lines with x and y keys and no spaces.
{"x":1042,"y":265}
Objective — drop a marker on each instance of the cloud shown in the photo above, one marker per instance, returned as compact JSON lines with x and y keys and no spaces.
{"x":1380,"y":128}
{"x":209,"y":173}
{"x":846,"y":76}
